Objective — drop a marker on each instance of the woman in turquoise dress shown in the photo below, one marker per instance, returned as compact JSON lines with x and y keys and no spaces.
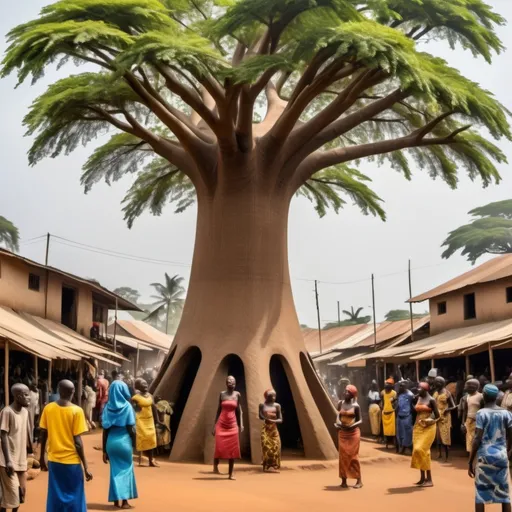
{"x":491,"y":474}
{"x":118,"y":441}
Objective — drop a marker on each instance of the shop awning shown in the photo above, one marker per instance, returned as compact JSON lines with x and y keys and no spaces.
{"x":469,"y":338}
{"x":72,"y":338}
{"x":133,"y":343}
{"x":356,"y":360}
{"x":326,"y":356}
{"x":146,"y":333}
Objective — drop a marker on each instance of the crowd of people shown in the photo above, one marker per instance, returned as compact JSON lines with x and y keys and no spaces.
{"x":411,"y":417}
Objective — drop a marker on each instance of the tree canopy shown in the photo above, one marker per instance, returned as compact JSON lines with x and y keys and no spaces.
{"x":189,"y":86}
{"x":489,"y":233}
{"x":9,"y":234}
{"x":128,"y":293}
{"x":353,"y":318}
{"x":396,"y":315}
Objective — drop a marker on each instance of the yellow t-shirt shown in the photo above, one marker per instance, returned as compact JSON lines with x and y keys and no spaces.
{"x":63,"y":424}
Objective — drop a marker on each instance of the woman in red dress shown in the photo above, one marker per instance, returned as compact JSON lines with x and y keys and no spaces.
{"x":228,"y":426}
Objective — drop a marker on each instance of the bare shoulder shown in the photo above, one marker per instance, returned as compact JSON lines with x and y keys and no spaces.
{"x":278,"y":406}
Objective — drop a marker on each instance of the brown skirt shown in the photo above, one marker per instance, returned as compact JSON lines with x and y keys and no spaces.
{"x":349,"y":441}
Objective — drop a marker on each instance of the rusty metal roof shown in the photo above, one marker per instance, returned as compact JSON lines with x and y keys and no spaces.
{"x":331,"y":338}
{"x":147,"y":333}
{"x":388,"y":331}
{"x":493,"y":270}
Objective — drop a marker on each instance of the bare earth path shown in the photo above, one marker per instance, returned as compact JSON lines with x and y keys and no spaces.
{"x":182,"y":487}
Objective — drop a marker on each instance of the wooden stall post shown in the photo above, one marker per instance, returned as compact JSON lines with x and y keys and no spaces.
{"x":432,"y":363}
{"x":491,"y":363}
{"x":50,"y":389}
{"x":80,"y":381}
{"x":418,"y":370}
{"x":137,"y":360}
{"x":468,"y":366}
{"x":36,"y":370}
{"x":7,"y":391}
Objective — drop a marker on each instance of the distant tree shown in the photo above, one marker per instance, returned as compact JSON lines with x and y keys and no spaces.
{"x":491,"y":233}
{"x":128,"y":293}
{"x":9,"y":234}
{"x":401,"y":314}
{"x":304,"y":326}
{"x":170,"y":299}
{"x":354,"y":318}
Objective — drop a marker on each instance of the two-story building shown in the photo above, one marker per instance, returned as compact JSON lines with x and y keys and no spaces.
{"x":470,"y":325}
{"x":53,"y":316}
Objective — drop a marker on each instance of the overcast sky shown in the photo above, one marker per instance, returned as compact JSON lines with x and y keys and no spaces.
{"x":336,"y":249}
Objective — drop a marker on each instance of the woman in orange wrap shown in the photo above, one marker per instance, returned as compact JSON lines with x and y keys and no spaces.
{"x":349,"y":437}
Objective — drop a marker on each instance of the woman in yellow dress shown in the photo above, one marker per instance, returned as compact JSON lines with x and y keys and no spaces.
{"x":424,"y":434}
{"x":146,"y":419}
{"x":445,"y":406}
{"x":388,"y":395}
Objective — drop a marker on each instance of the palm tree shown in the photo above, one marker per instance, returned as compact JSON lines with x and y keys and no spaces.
{"x":9,"y":234}
{"x":354,"y":318}
{"x":169,"y":298}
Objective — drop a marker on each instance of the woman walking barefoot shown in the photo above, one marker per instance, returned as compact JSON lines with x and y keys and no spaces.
{"x":228,"y":425}
{"x":118,"y":440}
{"x":349,"y":437}
{"x":424,"y":434}
{"x":270,"y":413}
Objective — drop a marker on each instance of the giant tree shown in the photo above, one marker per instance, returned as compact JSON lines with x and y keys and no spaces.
{"x":489,"y":233}
{"x":242,"y":104}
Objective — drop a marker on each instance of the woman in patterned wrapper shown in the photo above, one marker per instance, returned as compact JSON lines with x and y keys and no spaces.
{"x":493,"y":437}
{"x":270,"y":413}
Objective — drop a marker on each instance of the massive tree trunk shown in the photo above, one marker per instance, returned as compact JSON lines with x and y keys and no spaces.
{"x":239,"y":313}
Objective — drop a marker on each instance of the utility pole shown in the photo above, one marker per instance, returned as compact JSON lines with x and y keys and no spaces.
{"x":318,"y":316}
{"x":47,"y":275}
{"x":410,"y":303}
{"x":374,"y":326}
{"x":339,"y":317}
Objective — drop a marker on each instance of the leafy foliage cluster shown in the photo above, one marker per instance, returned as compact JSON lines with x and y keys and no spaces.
{"x":342,"y":81}
{"x":9,"y":234}
{"x":489,"y":233}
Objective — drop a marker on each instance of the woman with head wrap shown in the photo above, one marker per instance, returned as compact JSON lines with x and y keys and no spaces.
{"x":349,"y":437}
{"x":118,"y":422}
{"x":374,"y":412}
{"x":492,"y":438}
{"x":270,"y":414}
{"x":388,"y":395}
{"x":445,"y":405}
{"x":424,"y":434}
{"x":472,"y":403}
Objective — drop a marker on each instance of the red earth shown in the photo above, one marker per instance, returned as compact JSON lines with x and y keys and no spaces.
{"x":301,"y":486}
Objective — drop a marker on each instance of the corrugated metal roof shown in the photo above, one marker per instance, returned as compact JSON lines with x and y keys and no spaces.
{"x":330,"y":338}
{"x":72,"y":338}
{"x":147,"y":333}
{"x":122,"y":303}
{"x":467,"y":338}
{"x":497,"y":268}
{"x":348,"y":360}
{"x":326,"y":356}
{"x":387,"y":331}
{"x":133,"y":343}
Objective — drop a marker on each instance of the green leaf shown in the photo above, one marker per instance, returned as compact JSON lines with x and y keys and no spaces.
{"x":9,"y":234}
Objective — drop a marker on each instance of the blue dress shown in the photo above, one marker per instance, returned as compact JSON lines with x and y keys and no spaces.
{"x":120,"y":454}
{"x":404,"y":419}
{"x":491,"y":475}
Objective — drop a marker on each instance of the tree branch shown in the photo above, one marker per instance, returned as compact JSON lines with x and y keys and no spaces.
{"x":318,"y":161}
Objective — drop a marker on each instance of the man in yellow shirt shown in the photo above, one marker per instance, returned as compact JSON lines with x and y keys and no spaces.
{"x":62,"y":424}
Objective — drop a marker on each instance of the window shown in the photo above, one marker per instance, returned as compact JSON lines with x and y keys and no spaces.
{"x":33,"y":282}
{"x":509,"y":294}
{"x":469,"y":306}
{"x":98,"y":313}
{"x":441,"y":308}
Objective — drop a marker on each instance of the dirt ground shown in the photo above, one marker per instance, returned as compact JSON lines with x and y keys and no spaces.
{"x":301,"y":486}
